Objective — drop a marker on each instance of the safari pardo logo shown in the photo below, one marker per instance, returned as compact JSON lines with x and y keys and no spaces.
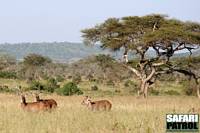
{"x":182,"y":122}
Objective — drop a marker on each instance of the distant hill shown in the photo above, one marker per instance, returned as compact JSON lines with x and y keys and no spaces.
{"x":59,"y":52}
{"x":63,"y":51}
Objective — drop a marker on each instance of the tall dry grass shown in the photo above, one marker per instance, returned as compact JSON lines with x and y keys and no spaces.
{"x":128,"y":115}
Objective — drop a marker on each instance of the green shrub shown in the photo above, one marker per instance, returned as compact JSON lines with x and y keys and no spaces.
{"x":8,"y":75}
{"x":36,"y":85}
{"x":69,"y":89}
{"x":94,"y":88}
{"x":172,"y":92}
{"x":52,"y":84}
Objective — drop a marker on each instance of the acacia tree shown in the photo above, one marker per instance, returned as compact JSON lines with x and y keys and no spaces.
{"x":33,"y":66}
{"x":155,"y":33}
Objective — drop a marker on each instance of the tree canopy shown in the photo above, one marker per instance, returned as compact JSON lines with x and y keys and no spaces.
{"x":36,"y":60}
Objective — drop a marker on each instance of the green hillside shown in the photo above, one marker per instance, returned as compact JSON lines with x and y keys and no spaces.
{"x":64,"y":51}
{"x":59,"y":52}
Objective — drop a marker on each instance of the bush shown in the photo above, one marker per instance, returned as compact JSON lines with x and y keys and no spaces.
{"x":52,"y":84}
{"x":36,"y":85}
{"x":172,"y":92}
{"x":69,"y":89}
{"x":94,"y":88}
{"x":8,"y":75}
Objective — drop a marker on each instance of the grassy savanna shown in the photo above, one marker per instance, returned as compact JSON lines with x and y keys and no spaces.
{"x":162,"y":79}
{"x":128,"y":114}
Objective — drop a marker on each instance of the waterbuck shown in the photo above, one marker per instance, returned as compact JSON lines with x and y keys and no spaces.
{"x":50,"y":102}
{"x":33,"y":106}
{"x":104,"y":105}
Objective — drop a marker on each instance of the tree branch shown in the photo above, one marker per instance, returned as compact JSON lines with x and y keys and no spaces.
{"x":138,"y":74}
{"x":159,"y":64}
{"x":151,"y":74}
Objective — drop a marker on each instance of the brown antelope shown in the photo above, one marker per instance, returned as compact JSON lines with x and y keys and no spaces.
{"x":50,"y":102}
{"x":96,"y":105}
{"x":33,"y":106}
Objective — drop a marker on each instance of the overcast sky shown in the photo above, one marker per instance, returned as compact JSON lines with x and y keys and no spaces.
{"x":62,"y":20}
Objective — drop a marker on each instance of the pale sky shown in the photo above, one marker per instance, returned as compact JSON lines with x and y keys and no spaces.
{"x":62,"y":20}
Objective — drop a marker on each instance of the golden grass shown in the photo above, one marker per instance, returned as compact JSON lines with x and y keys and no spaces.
{"x":128,"y":115}
{"x":13,"y":83}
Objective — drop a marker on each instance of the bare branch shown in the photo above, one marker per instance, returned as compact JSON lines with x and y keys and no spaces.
{"x":159,"y":64}
{"x":138,"y":74}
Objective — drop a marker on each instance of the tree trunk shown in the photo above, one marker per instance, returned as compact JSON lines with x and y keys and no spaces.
{"x":145,"y":84}
{"x":145,"y":79}
{"x":125,"y":55}
{"x":125,"y":58}
{"x":146,"y":90}
{"x":198,"y":91}
{"x":143,"y":89}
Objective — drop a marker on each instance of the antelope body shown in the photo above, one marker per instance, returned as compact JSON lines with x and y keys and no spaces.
{"x":97,"y":105}
{"x":33,"y":106}
{"x":50,"y":102}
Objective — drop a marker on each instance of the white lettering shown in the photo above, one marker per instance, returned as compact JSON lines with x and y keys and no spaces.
{"x":183,"y":118}
{"x":175,"y":118}
{"x":169,"y":118}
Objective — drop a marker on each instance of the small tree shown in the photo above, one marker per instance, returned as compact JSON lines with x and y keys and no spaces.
{"x":154,"y":33}
{"x":33,"y":65}
{"x":36,"y":60}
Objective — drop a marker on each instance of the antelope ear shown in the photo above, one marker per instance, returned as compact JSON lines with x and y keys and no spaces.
{"x":89,"y":98}
{"x":36,"y":94}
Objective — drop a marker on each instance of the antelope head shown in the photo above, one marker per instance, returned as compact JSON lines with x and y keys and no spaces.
{"x":86,"y":101}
